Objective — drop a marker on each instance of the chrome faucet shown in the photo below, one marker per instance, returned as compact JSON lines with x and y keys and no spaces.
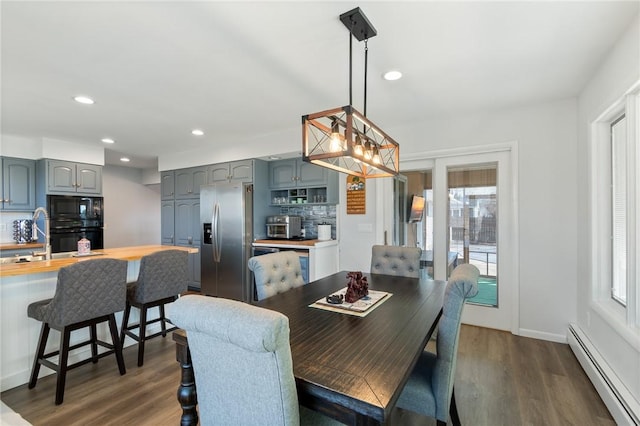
{"x":47,"y":232}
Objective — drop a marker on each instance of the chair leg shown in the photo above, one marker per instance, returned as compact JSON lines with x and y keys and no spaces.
{"x":117,"y":344}
{"x":125,"y":323}
{"x":93,"y":335}
{"x":42,"y":343}
{"x":163,"y":326}
{"x":62,"y":364}
{"x":142,"y":334}
{"x":453,"y":409}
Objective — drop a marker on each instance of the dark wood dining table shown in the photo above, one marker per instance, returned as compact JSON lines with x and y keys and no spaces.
{"x":348,"y":367}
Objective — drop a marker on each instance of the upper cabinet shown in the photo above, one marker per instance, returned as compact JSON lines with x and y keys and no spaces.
{"x":296,"y":173}
{"x":235,"y":171}
{"x":189,"y":181}
{"x":168,"y":185}
{"x":64,"y":177}
{"x":18,"y":184}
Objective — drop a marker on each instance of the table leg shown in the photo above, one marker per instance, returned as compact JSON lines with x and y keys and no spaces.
{"x":187,"y":396}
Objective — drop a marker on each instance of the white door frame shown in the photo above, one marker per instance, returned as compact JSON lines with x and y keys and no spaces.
{"x":506,"y":317}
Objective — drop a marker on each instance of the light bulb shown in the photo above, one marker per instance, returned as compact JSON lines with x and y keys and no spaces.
{"x":358,"y":149}
{"x":368,"y":151}
{"x":335,"y":144}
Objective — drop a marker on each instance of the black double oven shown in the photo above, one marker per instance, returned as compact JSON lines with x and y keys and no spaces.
{"x":73,"y":217}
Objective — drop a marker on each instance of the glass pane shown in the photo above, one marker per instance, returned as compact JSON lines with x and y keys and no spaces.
{"x":472,"y":225}
{"x":619,"y":213}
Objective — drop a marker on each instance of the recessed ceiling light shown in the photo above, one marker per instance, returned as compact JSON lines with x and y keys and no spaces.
{"x":125,"y":160}
{"x":108,"y":140}
{"x":84,"y":100}
{"x":392,"y":75}
{"x":274,"y":157}
{"x":197,"y":132}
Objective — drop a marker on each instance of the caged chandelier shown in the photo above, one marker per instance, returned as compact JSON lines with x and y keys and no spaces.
{"x":342,"y":138}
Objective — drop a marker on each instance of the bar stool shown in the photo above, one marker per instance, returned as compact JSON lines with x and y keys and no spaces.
{"x":87,"y":293}
{"x":162,"y":278}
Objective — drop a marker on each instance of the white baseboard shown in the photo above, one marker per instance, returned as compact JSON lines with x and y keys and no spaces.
{"x":535,"y":334}
{"x":624,"y":409}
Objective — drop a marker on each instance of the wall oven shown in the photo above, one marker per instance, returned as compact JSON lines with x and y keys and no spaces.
{"x":74,"y":217}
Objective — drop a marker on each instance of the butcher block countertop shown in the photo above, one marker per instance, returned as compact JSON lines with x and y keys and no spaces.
{"x":302,"y":244}
{"x":16,"y":246}
{"x":124,"y":253}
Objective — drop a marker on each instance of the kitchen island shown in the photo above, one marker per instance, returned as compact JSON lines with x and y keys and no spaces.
{"x":322,"y":254}
{"x":24,"y":283}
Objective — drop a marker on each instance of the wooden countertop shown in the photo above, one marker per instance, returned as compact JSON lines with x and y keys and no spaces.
{"x":294,"y":243}
{"x":16,"y":246}
{"x":124,"y":253}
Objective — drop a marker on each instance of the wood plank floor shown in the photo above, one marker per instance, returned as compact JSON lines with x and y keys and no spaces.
{"x":501,"y":380}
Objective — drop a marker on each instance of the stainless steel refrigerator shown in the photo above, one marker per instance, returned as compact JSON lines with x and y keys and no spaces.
{"x":227,"y":232}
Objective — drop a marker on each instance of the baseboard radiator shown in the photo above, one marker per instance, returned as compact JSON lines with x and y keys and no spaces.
{"x":621,"y":404}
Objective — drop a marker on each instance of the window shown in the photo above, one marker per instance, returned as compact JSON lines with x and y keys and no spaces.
{"x":619,"y":210}
{"x":615,"y":198}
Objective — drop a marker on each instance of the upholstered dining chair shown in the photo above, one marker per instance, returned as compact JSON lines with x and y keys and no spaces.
{"x":395,"y":260}
{"x":87,"y":293}
{"x":162,"y":278}
{"x":430,"y":389}
{"x":242,"y":363}
{"x":276,"y":273}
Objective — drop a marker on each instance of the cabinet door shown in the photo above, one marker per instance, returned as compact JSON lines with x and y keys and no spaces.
{"x":188,"y":182}
{"x":309,"y":174}
{"x":167,"y":185}
{"x":89,"y":178}
{"x":18,"y":184}
{"x":219,"y":173}
{"x":167,"y":219}
{"x":187,"y":223}
{"x":282,"y":174}
{"x":241,"y":171}
{"x":61,"y":176}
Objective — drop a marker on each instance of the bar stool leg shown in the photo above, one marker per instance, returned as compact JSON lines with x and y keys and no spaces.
{"x":125,"y":323}
{"x":142,"y":334}
{"x":94,"y":345}
{"x":117,"y":344}
{"x":162,"y":321}
{"x":42,"y":343}
{"x":62,"y":364}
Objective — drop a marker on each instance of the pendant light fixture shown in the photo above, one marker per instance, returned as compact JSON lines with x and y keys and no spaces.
{"x":342,"y":138}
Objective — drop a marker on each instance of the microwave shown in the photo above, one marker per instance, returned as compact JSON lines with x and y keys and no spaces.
{"x":284,"y":226}
{"x":68,"y":207}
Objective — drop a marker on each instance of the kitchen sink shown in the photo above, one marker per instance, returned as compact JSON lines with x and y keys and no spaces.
{"x":30,"y":258}
{"x":20,"y":259}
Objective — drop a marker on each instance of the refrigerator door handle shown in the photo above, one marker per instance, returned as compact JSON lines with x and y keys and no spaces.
{"x":216,"y":234}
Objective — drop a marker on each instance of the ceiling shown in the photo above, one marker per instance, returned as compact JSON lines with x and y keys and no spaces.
{"x":157,"y":70}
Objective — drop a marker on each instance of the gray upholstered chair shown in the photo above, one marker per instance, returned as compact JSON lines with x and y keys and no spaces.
{"x":162,"y":278}
{"x":87,"y":293}
{"x":429,"y":390}
{"x":395,"y":260}
{"x":242,"y":363}
{"x":276,"y":273}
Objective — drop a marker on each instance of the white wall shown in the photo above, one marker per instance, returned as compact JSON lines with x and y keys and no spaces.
{"x":613,"y":78}
{"x":132,"y":210}
{"x":547,"y":144}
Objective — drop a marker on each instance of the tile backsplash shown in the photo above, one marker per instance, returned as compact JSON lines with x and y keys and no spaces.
{"x":312,"y":216}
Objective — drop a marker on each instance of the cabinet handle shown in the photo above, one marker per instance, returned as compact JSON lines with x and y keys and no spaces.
{"x":190,"y":240}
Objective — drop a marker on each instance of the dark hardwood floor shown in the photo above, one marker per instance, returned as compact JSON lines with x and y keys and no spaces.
{"x":501,"y":380}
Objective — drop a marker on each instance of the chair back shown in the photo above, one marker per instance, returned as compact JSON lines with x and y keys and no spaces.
{"x":241,"y":359}
{"x":85,"y":290}
{"x":462,"y":284}
{"x":276,"y":273}
{"x":395,"y":260}
{"x":162,"y":274}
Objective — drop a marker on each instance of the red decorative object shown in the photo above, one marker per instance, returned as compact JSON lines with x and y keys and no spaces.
{"x":357,"y":287}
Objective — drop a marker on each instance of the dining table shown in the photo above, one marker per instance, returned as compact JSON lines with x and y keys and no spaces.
{"x":351,"y":366}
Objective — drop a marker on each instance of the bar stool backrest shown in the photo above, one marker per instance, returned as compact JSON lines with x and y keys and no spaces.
{"x":88,"y":289}
{"x":162,"y":274}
